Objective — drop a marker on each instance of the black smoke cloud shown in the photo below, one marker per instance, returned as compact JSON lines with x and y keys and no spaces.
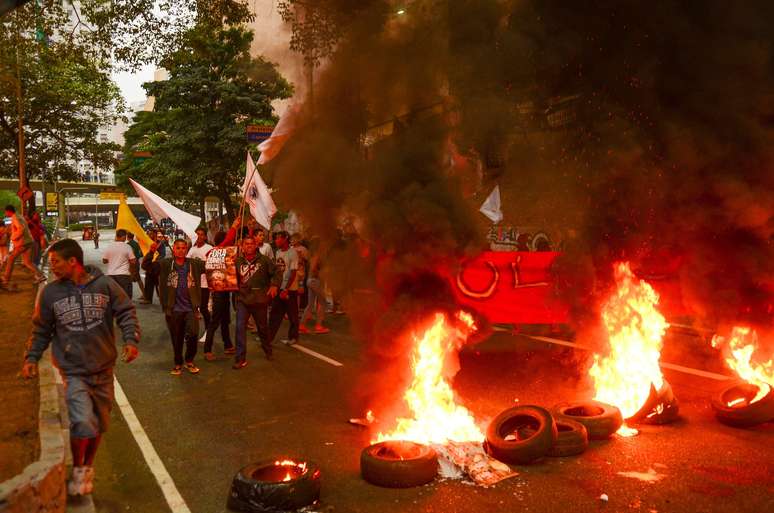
{"x":666,"y":155}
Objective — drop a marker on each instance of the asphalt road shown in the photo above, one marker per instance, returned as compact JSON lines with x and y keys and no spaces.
{"x":206,"y":427}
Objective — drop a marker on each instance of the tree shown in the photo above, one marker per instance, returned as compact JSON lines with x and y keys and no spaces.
{"x":196,"y":132}
{"x":55,"y":62}
{"x":63,"y":94}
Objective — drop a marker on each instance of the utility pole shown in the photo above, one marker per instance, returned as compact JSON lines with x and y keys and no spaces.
{"x":20,"y":132}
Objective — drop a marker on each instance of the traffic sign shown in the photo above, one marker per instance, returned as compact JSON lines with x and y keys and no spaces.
{"x":111,"y":195}
{"x":258,"y":133}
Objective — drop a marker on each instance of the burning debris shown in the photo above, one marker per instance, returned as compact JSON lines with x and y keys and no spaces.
{"x":437,"y":419}
{"x":275,"y":485}
{"x":629,"y":377}
{"x":738,"y":349}
{"x":751,"y":401}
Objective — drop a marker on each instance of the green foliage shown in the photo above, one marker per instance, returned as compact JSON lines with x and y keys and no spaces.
{"x":66,"y":94}
{"x":196,"y":132}
{"x":8,"y":198}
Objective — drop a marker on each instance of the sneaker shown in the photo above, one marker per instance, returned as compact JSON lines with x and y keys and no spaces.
{"x":289,"y":342}
{"x":209,"y":357}
{"x":75,"y":486}
{"x":88,"y":480}
{"x":303,"y":330}
{"x":202,"y":338}
{"x":192,"y":368}
{"x":239,"y":365}
{"x":321,"y":330}
{"x":144,"y":301}
{"x":229,"y":350}
{"x":176,"y":370}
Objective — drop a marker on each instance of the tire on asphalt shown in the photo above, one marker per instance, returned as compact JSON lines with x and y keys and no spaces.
{"x":573,"y":438}
{"x":256,"y":489}
{"x":521,"y":434}
{"x":600,"y":420}
{"x":398,"y":464}
{"x":747,"y":415}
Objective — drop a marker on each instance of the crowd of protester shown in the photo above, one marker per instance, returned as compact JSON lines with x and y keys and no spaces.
{"x":76,"y":313}
{"x":276,"y":281}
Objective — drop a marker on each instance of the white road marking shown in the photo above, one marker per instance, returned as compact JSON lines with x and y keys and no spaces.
{"x":168,"y":488}
{"x":672,"y":366}
{"x":317,"y":355}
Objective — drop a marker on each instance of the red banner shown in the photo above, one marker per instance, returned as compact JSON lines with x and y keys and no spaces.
{"x":510,"y":287}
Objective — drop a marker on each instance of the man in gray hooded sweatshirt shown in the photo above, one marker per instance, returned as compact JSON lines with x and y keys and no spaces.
{"x":75,"y":314}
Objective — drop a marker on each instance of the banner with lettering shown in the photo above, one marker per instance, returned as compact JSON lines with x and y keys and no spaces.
{"x":220,"y":268}
{"x":510,"y":287}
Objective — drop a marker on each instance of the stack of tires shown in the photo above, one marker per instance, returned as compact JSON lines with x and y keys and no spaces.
{"x":525,"y":434}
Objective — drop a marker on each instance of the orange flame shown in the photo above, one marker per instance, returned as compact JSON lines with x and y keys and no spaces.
{"x":635,"y":330}
{"x":299,"y":467}
{"x":437,"y":418}
{"x":738,"y":350}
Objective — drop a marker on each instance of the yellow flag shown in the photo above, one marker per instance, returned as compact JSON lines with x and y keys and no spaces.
{"x":128,"y":222}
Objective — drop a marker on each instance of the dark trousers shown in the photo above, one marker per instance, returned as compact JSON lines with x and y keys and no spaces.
{"x":259,"y":315}
{"x":151,"y":280}
{"x":136,"y":279}
{"x":280,"y":307}
{"x":184,"y":329}
{"x":124,"y":281}
{"x":221,"y":318}
{"x":204,"y":308}
{"x":303,"y":299}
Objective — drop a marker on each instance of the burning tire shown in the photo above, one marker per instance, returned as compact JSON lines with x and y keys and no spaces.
{"x":733,"y":407}
{"x":274,"y":486}
{"x":573,"y":438}
{"x":600,"y":420}
{"x":521,"y":435}
{"x":398,"y":464}
{"x":661,"y":407}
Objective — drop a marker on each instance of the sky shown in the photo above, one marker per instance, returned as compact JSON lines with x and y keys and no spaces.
{"x":131,"y":83}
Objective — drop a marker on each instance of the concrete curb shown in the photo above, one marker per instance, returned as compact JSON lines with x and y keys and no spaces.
{"x":41,"y":486}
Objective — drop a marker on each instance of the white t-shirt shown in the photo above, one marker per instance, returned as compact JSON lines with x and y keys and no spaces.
{"x":118,"y":254}
{"x":201,"y":254}
{"x":286,"y":262}
{"x":267,"y":251}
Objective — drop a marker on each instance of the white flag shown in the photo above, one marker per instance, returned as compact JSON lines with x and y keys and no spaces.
{"x":160,"y":209}
{"x":491,"y":207}
{"x":257,"y":195}
{"x":285,"y":126}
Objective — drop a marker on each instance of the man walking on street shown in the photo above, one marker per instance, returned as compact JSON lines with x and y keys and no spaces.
{"x":286,"y":302}
{"x":22,"y":245}
{"x":120,"y":261}
{"x":75,"y":314}
{"x":199,"y":251}
{"x":221,"y":317}
{"x":258,"y":281}
{"x":180,"y":294}
{"x":138,"y":256}
{"x":150,"y":264}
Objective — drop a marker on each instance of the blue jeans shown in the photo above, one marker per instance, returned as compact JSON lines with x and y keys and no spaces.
{"x":89,"y":401}
{"x":260,"y":315}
